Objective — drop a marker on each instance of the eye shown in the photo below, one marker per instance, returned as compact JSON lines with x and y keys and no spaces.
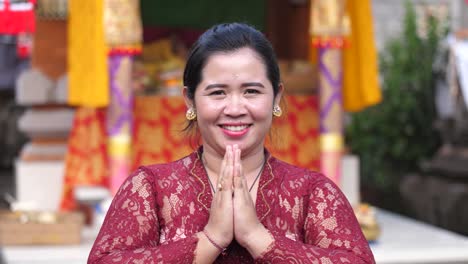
{"x":216,"y":92}
{"x":252,"y":91}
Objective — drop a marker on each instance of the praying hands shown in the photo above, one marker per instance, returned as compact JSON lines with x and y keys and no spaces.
{"x":232,"y":214}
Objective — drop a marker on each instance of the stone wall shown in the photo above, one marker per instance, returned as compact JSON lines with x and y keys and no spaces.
{"x":389,"y":15}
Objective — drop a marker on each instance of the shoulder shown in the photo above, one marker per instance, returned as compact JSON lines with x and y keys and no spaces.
{"x":290,"y":171}
{"x":295,"y":175}
{"x":162,"y":170}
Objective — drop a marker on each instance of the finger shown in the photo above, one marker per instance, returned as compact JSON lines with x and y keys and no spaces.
{"x":220,"y":177}
{"x":222,"y":171}
{"x":227,"y":183}
{"x":237,"y":170}
{"x":225,"y":177}
{"x":239,"y":192}
{"x":245,"y":185}
{"x":242,"y":177}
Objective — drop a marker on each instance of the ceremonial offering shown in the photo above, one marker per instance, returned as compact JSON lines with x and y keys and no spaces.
{"x":40,"y":228}
{"x":365,"y":215}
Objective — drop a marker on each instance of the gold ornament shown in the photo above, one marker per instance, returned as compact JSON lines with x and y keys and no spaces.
{"x":277,"y":111}
{"x":329,"y":18}
{"x":190,"y":114}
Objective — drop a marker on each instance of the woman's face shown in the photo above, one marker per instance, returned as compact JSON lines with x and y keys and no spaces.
{"x":234,"y":102}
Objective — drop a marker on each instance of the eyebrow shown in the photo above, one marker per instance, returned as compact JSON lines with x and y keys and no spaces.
{"x":248,"y":84}
{"x":253,"y":84}
{"x":215,"y":85}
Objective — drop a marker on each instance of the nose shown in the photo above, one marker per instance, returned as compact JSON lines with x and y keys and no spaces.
{"x":235,"y":106}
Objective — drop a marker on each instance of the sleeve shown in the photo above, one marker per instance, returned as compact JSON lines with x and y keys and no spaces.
{"x":332,"y":233}
{"x":130,"y":232}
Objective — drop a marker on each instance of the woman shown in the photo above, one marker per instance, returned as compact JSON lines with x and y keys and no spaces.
{"x":230,"y":201}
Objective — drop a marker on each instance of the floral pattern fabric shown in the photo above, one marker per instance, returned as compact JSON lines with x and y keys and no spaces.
{"x":159,"y":209}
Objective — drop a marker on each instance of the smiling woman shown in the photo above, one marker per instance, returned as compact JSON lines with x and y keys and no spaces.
{"x":234,"y":103}
{"x":230,"y":201}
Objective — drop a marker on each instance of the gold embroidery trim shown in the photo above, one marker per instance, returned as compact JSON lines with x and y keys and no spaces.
{"x":199,"y":179}
{"x":261,"y":188}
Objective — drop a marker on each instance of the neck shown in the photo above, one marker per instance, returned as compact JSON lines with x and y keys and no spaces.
{"x":251,"y":162}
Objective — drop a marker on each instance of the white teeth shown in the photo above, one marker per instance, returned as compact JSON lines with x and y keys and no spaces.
{"x":235,"y":128}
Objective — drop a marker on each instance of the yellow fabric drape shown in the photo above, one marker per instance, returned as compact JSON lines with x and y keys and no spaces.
{"x":87,"y":54}
{"x":360,"y":81}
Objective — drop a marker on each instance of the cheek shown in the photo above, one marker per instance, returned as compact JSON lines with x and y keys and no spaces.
{"x":207,"y":111}
{"x":262,"y":114}
{"x":262,"y":109}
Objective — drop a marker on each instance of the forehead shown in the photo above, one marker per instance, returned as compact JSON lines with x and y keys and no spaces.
{"x":244,"y":60}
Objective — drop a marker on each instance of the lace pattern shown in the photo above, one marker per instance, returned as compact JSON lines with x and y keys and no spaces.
{"x":159,"y":209}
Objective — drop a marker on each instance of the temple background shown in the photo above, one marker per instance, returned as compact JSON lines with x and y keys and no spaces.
{"x":284,"y":24}
{"x":291,"y":24}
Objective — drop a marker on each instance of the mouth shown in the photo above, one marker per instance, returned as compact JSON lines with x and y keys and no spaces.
{"x":235,"y":128}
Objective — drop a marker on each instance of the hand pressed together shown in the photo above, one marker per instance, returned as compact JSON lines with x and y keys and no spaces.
{"x":232,"y":214}
{"x":220,"y":224}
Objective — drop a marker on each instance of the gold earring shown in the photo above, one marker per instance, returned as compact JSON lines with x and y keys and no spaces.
{"x":277,"y":111}
{"x":190,"y":114}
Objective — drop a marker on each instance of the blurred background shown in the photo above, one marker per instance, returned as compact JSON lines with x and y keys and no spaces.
{"x":376,"y":99}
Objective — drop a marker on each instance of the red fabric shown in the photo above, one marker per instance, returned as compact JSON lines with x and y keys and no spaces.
{"x":86,"y":161}
{"x":14,"y":22}
{"x":158,"y":210}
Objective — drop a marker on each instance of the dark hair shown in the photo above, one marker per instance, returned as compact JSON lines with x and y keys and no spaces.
{"x":225,"y":38}
{"x":228,"y":38}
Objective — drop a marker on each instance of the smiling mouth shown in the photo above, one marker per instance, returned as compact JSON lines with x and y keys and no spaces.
{"x":235,"y":128}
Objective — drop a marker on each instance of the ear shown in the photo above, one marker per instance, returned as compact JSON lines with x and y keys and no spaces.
{"x":188,"y":102}
{"x":279,"y":95}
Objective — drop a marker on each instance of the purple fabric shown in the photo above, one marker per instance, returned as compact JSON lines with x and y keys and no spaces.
{"x":121,"y":103}
{"x":335,"y":85}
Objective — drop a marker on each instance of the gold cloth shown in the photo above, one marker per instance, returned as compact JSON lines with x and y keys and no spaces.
{"x":87,"y":55}
{"x":361,"y":78}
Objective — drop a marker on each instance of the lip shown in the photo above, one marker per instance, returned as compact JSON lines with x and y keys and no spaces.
{"x":235,"y":134}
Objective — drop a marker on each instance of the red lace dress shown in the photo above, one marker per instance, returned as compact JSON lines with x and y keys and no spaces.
{"x":158,"y":210}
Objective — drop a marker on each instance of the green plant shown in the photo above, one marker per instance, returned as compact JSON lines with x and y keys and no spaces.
{"x":393,"y":137}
